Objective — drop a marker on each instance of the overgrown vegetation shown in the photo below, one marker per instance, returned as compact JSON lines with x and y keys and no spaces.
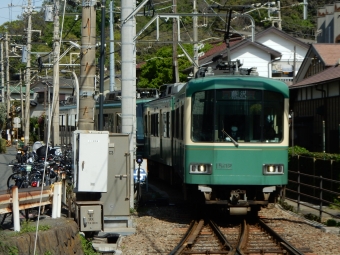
{"x":5,"y":248}
{"x":37,"y":128}
{"x":297,"y":150}
{"x":29,"y":226}
{"x":3,"y":148}
{"x":87,"y":246}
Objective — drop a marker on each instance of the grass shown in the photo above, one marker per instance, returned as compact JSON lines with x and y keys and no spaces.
{"x":87,"y":246}
{"x":28,"y":226}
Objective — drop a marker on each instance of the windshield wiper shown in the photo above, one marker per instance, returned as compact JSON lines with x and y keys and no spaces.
{"x":234,"y":142}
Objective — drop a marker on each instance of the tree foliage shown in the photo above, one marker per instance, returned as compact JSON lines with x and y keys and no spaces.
{"x":156,"y":71}
{"x":3,"y":115}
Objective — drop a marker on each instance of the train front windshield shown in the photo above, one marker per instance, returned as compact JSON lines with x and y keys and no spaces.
{"x":237,"y":115}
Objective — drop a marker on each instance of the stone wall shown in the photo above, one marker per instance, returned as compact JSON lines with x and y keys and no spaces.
{"x":61,"y":238}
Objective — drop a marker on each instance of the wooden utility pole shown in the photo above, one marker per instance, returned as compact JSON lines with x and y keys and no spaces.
{"x":28,"y":74}
{"x":55,"y":103}
{"x":87,"y":66}
{"x":175,"y":73}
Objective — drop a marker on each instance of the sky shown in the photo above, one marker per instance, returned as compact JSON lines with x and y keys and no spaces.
{"x":11,"y":13}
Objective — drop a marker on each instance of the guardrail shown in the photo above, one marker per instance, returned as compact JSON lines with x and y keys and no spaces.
{"x":313,"y":187}
{"x":14,"y":200}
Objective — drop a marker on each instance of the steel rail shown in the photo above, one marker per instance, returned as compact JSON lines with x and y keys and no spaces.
{"x":220,"y":236}
{"x":182,"y":244}
{"x":287,"y":245}
{"x":242,"y":240}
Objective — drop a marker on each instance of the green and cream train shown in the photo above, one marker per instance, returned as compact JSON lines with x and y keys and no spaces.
{"x":225,"y":138}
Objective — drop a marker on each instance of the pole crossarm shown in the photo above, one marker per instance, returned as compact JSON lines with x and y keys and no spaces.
{"x":188,"y":56}
{"x":135,"y":11}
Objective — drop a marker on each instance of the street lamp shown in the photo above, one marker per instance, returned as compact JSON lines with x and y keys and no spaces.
{"x":77,"y":89}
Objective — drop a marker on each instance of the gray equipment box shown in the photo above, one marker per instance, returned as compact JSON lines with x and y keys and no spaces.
{"x":90,"y":216}
{"x":117,"y":199}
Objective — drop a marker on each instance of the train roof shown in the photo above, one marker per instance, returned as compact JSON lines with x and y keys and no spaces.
{"x":246,"y":82}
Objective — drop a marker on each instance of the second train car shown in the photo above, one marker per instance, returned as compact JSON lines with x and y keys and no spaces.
{"x":224,"y":138}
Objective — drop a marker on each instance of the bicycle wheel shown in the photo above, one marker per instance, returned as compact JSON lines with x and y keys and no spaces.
{"x":14,"y":180}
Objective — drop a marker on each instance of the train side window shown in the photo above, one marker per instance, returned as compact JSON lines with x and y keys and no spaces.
{"x":154,"y":124}
{"x":146,"y":125}
{"x":167,"y":124}
{"x":177,"y":123}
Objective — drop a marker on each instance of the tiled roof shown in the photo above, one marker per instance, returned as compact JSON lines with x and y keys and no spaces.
{"x":331,"y":73}
{"x":216,"y":49}
{"x":328,"y":52}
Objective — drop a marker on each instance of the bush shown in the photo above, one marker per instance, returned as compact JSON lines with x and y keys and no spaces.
{"x":331,"y":223}
{"x":3,"y":148}
{"x":319,"y":155}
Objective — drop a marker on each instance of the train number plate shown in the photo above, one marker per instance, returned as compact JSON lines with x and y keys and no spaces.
{"x":224,"y":166}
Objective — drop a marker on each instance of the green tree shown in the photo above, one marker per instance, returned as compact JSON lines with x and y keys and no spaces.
{"x":3,"y":115}
{"x":158,"y":69}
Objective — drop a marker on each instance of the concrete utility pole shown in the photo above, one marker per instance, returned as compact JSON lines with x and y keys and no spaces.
{"x":128,"y":28}
{"x":305,"y":13}
{"x":87,"y":65}
{"x":28,"y":74}
{"x":22,"y":101}
{"x":194,"y":19}
{"x":112,"y":49}
{"x":56,"y":54}
{"x":2,"y":72}
{"x":175,"y":73}
{"x":102,"y":61}
{"x":8,"y":92}
{"x":279,"y":15}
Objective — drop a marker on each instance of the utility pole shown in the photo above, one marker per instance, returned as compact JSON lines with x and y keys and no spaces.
{"x":175,"y":73}
{"x":87,"y":65}
{"x":2,"y":72}
{"x":102,"y":60}
{"x":128,"y":28}
{"x":55,"y":103}
{"x":194,"y":19}
{"x":22,"y":102}
{"x":112,"y":49}
{"x":8,"y":92}
{"x":305,"y":14}
{"x":28,"y":74}
{"x":279,"y":15}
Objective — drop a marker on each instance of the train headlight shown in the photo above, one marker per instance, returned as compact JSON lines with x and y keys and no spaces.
{"x":272,"y":169}
{"x":200,"y":168}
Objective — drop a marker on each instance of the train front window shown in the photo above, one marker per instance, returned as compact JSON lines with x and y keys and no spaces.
{"x":237,"y":115}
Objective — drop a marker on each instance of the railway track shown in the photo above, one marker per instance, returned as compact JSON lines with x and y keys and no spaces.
{"x":245,"y":237}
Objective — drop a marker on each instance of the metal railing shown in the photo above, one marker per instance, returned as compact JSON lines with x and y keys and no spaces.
{"x":14,"y":200}
{"x":312,"y":184}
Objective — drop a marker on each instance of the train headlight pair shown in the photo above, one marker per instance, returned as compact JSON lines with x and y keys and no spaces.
{"x":200,"y":168}
{"x":272,"y":169}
